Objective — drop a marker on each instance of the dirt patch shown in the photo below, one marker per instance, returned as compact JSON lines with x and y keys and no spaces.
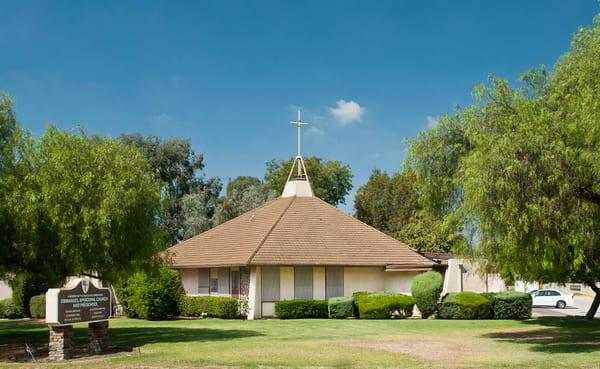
{"x":17,"y":353}
{"x":420,"y":349}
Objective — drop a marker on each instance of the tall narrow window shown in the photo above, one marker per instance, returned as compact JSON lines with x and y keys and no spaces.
{"x":203,"y":281}
{"x":334,"y":282}
{"x":223,"y":285}
{"x":235,"y":283}
{"x":269,"y":284}
{"x":303,"y":283}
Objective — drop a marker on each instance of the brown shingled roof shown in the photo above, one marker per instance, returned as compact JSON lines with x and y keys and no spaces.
{"x":294,"y":231}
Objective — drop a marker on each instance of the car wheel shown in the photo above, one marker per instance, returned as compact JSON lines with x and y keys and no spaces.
{"x":561,"y":304}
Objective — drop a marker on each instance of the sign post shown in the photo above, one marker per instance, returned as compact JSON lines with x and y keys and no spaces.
{"x":79,"y":302}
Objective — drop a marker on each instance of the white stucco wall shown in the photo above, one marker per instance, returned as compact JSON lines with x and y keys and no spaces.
{"x":465,"y":275}
{"x":318,"y":283}
{"x":398,"y":281}
{"x":363,"y":279}
{"x":5,"y":290}
{"x":189,"y":279}
{"x":286,"y":283}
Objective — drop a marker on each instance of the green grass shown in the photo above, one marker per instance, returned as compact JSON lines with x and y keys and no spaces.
{"x":538,"y":343}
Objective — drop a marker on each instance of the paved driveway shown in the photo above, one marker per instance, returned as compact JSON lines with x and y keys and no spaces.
{"x":582,"y":304}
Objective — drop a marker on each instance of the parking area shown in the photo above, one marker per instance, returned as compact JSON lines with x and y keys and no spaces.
{"x":582,"y":304}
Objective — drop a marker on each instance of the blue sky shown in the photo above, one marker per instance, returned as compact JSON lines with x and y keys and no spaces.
{"x":229,"y":74}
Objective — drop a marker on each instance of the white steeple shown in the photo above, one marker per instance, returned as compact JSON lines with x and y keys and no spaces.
{"x":299,"y":185}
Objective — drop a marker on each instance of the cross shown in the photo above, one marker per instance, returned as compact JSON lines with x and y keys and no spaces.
{"x":299,"y":123}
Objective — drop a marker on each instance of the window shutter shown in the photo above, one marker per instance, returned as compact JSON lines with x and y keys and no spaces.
{"x":303,"y":283}
{"x":269,"y":284}
{"x":223,"y":281}
{"x":204,"y":281}
{"x":334,"y":282}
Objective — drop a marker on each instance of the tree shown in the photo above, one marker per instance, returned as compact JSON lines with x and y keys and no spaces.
{"x":391,"y":204}
{"x":9,"y":139}
{"x":178,"y":167}
{"x":523,"y":167}
{"x":196,"y":214}
{"x":331,"y":181}
{"x":243,"y":194}
{"x":82,"y":204}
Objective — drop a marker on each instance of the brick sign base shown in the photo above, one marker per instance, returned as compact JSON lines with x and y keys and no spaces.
{"x":60,"y":345}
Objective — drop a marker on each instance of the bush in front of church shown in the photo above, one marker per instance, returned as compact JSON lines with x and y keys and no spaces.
{"x":425,"y":289}
{"x":8,"y":309}
{"x":301,"y":309}
{"x":210,"y":306}
{"x":341,"y":307}
{"x":37,"y":306}
{"x":385,"y":305}
{"x":151,"y":296}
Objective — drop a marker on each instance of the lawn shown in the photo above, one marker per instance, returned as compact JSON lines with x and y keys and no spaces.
{"x":538,"y":343}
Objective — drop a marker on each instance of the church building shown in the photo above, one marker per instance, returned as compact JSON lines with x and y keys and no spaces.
{"x":294,"y":247}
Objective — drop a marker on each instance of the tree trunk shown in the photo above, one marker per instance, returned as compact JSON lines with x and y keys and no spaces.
{"x":594,"y":308}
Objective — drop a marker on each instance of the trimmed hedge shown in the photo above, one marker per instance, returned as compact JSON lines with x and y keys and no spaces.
{"x":510,"y":305}
{"x":425,"y":289}
{"x":341,"y":307}
{"x":356,"y":296}
{"x":301,"y":309}
{"x":212,"y":306}
{"x":151,"y":296}
{"x":383,"y":305}
{"x":464,"y":305}
{"x":37,"y":306}
{"x":8,"y":309}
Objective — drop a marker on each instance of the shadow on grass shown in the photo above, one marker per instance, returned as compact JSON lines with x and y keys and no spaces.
{"x":139,"y":336}
{"x":15,"y":334}
{"x":555,"y":335}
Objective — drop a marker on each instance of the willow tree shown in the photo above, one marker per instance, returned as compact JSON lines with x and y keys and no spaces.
{"x":532,"y":178}
{"x":81,"y":204}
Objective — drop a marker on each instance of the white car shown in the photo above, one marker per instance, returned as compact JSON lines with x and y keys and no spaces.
{"x":551,"y":298}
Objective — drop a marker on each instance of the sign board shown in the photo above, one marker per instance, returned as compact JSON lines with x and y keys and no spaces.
{"x":79,"y":302}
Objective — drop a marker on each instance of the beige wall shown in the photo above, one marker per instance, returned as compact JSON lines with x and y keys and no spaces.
{"x":398,"y":281}
{"x":363,"y":279}
{"x":286,"y":283}
{"x":465,"y":275}
{"x":189,"y":279}
{"x":5,"y":290}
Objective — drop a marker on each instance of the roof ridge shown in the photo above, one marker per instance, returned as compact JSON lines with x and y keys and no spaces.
{"x":373,"y":228}
{"x":213,"y":229}
{"x":262,"y":242}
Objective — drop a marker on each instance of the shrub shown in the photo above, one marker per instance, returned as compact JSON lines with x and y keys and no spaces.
{"x":382,"y":305}
{"x":151,"y":296}
{"x":212,"y":306}
{"x":9,"y":310}
{"x":356,"y":296}
{"x":464,"y":305}
{"x":24,"y":287}
{"x":301,"y":309}
{"x":341,"y":307}
{"x":225,"y":307}
{"x":426,"y":289}
{"x":37,"y":306}
{"x":510,"y":305}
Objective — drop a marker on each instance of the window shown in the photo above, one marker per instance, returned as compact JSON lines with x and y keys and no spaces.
{"x":235,"y":283}
{"x":223,"y":284}
{"x":203,"y":281}
{"x":303,"y":283}
{"x":269,"y":284}
{"x":334,"y":282}
{"x":553,"y":293}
